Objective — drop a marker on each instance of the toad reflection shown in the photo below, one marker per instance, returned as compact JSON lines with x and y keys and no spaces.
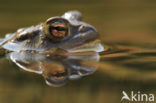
{"x":56,"y":69}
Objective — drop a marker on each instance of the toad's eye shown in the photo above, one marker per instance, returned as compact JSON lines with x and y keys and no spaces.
{"x":58,"y":30}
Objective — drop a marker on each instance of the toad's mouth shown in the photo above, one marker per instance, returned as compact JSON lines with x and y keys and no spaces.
{"x":94,"y":46}
{"x":83,"y":40}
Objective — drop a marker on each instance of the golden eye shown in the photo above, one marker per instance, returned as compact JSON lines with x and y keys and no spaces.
{"x":58,"y":30}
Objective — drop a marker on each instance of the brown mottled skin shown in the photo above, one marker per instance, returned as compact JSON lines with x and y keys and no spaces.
{"x":65,"y":32}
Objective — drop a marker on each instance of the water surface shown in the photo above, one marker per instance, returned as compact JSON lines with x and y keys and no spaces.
{"x":127,"y":30}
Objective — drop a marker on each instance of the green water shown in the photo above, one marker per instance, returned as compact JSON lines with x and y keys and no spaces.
{"x":125,"y":26}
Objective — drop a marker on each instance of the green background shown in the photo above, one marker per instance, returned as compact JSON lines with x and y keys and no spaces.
{"x":124,"y":22}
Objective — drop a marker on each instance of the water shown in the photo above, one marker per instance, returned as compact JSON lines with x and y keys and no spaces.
{"x":127,"y":30}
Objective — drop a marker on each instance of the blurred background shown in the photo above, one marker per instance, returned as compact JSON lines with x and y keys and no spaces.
{"x":122,"y":22}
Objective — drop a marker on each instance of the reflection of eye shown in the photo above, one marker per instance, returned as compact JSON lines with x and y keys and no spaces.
{"x":58,"y":30}
{"x":54,"y":73}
